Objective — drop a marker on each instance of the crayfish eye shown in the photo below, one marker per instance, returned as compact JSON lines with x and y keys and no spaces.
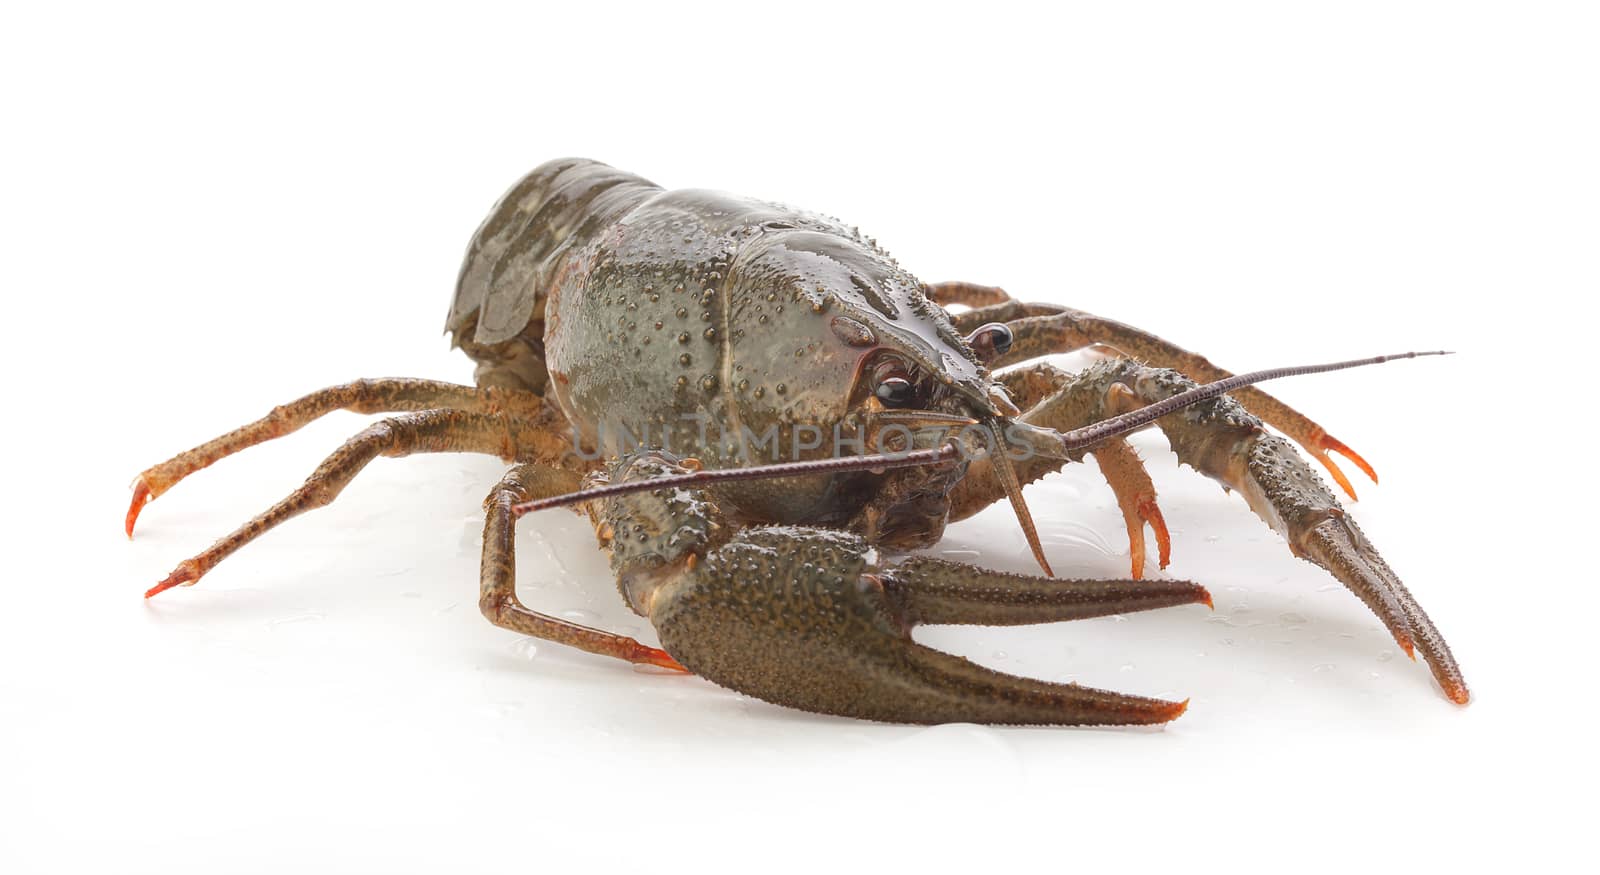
{"x":894,"y":391}
{"x":990,"y":341}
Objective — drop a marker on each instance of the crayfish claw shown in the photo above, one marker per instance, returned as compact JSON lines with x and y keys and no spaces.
{"x":802,"y":618}
{"x":1322,"y":533}
{"x":1223,"y":441}
{"x":1336,"y":545}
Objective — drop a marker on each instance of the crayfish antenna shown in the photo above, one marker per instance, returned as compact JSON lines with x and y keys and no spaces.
{"x":874,"y":462}
{"x":1133,"y":420}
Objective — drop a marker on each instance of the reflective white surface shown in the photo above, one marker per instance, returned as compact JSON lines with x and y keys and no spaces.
{"x":212,"y":218}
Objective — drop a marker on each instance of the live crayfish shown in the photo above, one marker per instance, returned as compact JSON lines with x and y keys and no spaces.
{"x":624,"y":334}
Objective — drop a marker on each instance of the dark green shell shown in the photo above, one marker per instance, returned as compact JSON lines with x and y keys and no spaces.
{"x":719,"y":327}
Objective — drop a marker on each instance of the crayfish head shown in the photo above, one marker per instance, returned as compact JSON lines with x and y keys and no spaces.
{"x":903,"y":408}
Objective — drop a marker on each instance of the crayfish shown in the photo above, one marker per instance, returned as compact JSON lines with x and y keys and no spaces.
{"x":750,"y":401}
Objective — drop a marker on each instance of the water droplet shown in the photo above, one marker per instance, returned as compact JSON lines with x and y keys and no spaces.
{"x":1323,"y":667}
{"x":1290,"y":618}
{"x":587,"y":618}
{"x":1385,"y":655}
{"x":1127,"y":666}
{"x":525,"y":648}
{"x":999,"y":654}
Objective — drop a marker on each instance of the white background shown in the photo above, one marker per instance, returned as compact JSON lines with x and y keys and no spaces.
{"x":206,"y":213}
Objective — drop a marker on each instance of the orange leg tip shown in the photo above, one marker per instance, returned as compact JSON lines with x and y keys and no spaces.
{"x":141,"y":497}
{"x":1176,"y":709}
{"x":1330,"y":443}
{"x":1458,"y":693}
{"x":1136,"y":545}
{"x":182,"y":576}
{"x":1205,"y":599}
{"x":658,"y":658}
{"x":1158,"y":525}
{"x":1337,"y":475}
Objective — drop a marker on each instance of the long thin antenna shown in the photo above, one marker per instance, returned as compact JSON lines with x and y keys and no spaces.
{"x":1071,"y":440}
{"x":880,"y":461}
{"x":1133,"y":420}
